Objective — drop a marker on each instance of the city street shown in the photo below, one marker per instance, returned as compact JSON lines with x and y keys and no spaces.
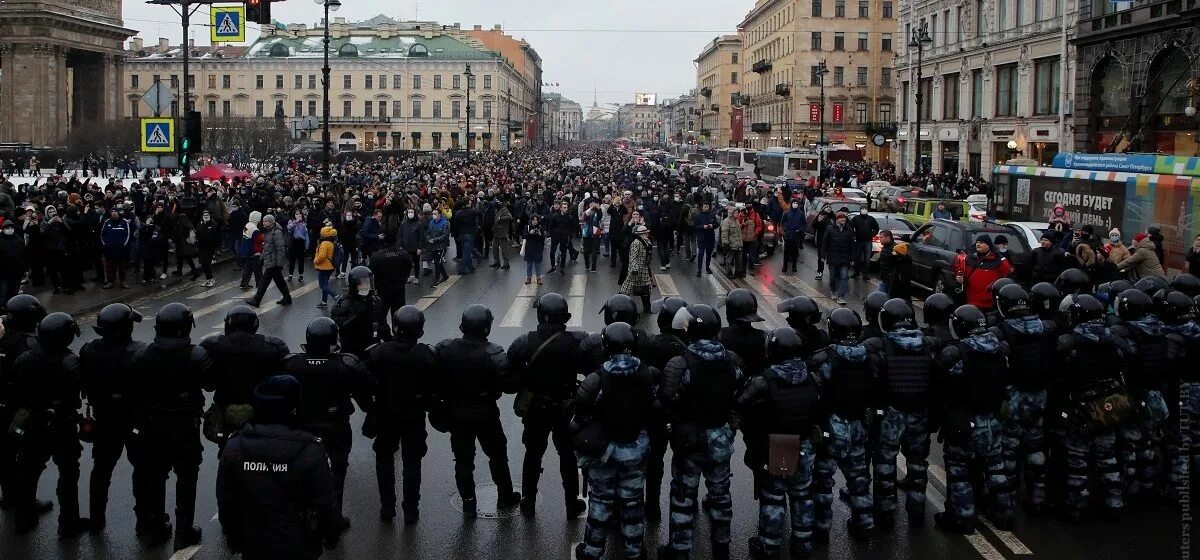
{"x":1147,"y":531}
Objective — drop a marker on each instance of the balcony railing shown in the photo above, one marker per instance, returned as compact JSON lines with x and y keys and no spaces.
{"x":783,"y":89}
{"x":706,"y":91}
{"x":359,"y":120}
{"x":760,"y":127}
{"x":715,"y":108}
{"x":761,"y":66}
{"x":885,"y":128}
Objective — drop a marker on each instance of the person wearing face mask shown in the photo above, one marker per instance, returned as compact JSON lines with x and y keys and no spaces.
{"x":208,"y":239}
{"x":348,"y":238}
{"x":1115,"y":248}
{"x":412,"y":237}
{"x":793,"y":222}
{"x":116,"y":236}
{"x":838,"y":249}
{"x":438,"y":233}
{"x":13,"y":255}
{"x":865,"y":229}
{"x":297,"y":233}
{"x":55,"y":235}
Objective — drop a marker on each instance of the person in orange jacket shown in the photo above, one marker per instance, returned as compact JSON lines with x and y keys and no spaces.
{"x":975,"y":272}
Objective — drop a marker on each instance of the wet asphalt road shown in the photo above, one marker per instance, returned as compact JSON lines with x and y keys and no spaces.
{"x":1147,"y":531}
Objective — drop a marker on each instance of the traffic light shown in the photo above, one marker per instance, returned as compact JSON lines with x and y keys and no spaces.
{"x":191,"y":141}
{"x":258,"y":11}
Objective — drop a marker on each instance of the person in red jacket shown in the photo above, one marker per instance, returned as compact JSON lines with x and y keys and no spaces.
{"x":978,"y":270}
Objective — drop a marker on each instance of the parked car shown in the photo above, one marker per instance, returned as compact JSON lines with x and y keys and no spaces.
{"x":1032,"y":231}
{"x":816,"y":205}
{"x":901,"y":229}
{"x":977,"y":199}
{"x":892,"y":199}
{"x":857,"y":195}
{"x":934,"y":246}
{"x":873,"y":187}
{"x":978,"y":212}
{"x":920,"y":210}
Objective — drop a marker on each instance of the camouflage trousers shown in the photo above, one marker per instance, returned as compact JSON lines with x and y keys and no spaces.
{"x":1183,"y":437}
{"x":908,"y":433}
{"x":1138,"y":440}
{"x":711,"y":462}
{"x":778,"y":492}
{"x":982,"y":445}
{"x":1085,"y":450}
{"x":845,"y":448}
{"x":1024,"y":440}
{"x":616,"y":483}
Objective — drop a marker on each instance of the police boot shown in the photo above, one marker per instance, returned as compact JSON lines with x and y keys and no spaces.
{"x":667,"y":552}
{"x":885,"y":519}
{"x":411,"y":515}
{"x":1034,"y":510}
{"x":720,"y":551}
{"x":72,"y":528}
{"x":156,"y":531}
{"x":187,"y":536}
{"x":509,"y":500}
{"x":575,"y":508}
{"x":652,"y":510}
{"x":858,"y":532}
{"x":529,"y":505}
{"x":1109,"y":515}
{"x":947,"y":522}
{"x":759,"y":551}
{"x":469,"y":508}
{"x":801,"y":550}
{"x":387,"y":513}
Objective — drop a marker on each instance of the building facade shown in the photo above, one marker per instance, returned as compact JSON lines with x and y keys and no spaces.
{"x":640,"y":123}
{"x":393,"y":85}
{"x":680,"y":120}
{"x":1138,"y":77}
{"x":992,"y":76}
{"x":568,"y":122}
{"x":784,"y":43}
{"x":718,"y":82}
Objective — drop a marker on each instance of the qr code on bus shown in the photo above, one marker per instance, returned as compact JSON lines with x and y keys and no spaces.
{"x":1023,"y":192}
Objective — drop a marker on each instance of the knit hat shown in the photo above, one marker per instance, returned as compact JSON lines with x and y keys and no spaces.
{"x":1001,"y":239}
{"x":1139,"y":237}
{"x":426,"y":207}
{"x":985,"y":239}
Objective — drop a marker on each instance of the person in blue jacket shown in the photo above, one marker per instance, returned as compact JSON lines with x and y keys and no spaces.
{"x":705,"y":224}
{"x":116,"y":236}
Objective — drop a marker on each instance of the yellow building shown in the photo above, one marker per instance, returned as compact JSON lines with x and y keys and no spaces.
{"x":393,"y":85}
{"x":718,"y":78}
{"x":783,"y":45}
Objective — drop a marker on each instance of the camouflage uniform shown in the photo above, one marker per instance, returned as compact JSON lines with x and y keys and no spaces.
{"x":713,"y":463}
{"x":845,"y":445}
{"x":1024,"y":411}
{"x":795,"y":491}
{"x":1185,"y":390}
{"x":971,"y":428}
{"x":904,"y":424}
{"x":1139,"y":437}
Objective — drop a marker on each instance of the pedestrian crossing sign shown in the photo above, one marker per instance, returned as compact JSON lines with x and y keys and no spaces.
{"x":158,"y":135}
{"x":228,"y":24}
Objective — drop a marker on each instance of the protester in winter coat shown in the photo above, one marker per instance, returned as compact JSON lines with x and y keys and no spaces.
{"x":1144,"y":260}
{"x":976,"y":273}
{"x":1116,"y":250}
{"x":1193,"y":257}
{"x":534,"y":240}
{"x":116,"y":237}
{"x":323,"y":263}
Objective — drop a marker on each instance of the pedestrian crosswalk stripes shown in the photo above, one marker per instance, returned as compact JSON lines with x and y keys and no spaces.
{"x":937,"y":503}
{"x":576,"y":307}
{"x":578,"y":285}
{"x":209,"y":293}
{"x":440,"y":290}
{"x":666,"y":285}
{"x":515,"y":316}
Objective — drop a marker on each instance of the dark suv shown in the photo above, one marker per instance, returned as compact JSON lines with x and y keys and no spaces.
{"x":934,"y":246}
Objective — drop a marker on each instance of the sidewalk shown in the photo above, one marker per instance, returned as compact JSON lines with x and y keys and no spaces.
{"x":94,"y":298}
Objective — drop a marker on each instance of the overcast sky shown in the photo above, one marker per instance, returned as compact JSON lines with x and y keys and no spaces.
{"x":614,"y":56}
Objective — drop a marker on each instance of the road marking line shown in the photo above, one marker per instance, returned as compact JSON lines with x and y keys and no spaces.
{"x":216,"y":290}
{"x":187,"y":553}
{"x":666,"y":285}
{"x":440,"y":290}
{"x":214,"y":307}
{"x":757,"y":285}
{"x":823,"y":301}
{"x":769,"y":313}
{"x":937,"y":500}
{"x":1009,"y":539}
{"x":716,"y":285}
{"x":214,"y":518}
{"x":578,"y":285}
{"x":295,"y":294}
{"x":425,"y":302}
{"x":575,"y":306}
{"x":515,"y":316}
{"x":528,"y":290}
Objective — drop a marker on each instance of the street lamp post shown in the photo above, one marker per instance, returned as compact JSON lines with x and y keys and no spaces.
{"x":919,"y":42}
{"x":822,"y":70}
{"x":469,"y":75}
{"x":330,"y":6}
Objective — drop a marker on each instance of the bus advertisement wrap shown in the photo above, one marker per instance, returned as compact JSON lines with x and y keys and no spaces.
{"x":1129,"y":163}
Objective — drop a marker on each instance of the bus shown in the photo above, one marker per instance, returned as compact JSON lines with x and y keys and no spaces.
{"x":737,"y":157}
{"x":1129,"y":192}
{"x":790,"y":163}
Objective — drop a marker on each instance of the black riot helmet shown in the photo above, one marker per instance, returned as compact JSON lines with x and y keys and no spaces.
{"x":56,"y":331}
{"x":845,"y":326}
{"x":620,"y":308}
{"x":897,"y":314}
{"x":967,"y":320}
{"x":1012,"y":301}
{"x":116,"y":321}
{"x":1133,"y":305}
{"x":1108,"y":291}
{"x":321,"y":336}
{"x":552,"y":309}
{"x":1073,"y":281}
{"x":999,"y":284}
{"x":360,"y":281}
{"x":408,"y":323}
{"x":938,"y":308}
{"x":1044,"y":299}
{"x":802,"y":311}
{"x":784,"y":344}
{"x":241,"y":319}
{"x":24,"y":313}
{"x":666,"y":309}
{"x":1081,"y":308}
{"x":174,"y":320}
{"x":1189,"y":284}
{"x":476,"y":321}
{"x":1174,"y":307}
{"x":741,"y":307}
{"x":1151,"y":285}
{"x":618,"y":338}
{"x":872,"y":306}
{"x":698,"y":321}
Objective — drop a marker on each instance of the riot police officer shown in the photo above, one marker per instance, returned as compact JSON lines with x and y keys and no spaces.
{"x":789,"y":400}
{"x":46,"y":424}
{"x":402,"y":375}
{"x":1044,"y":301}
{"x":619,"y":308}
{"x":906,"y":382}
{"x":1150,"y":285}
{"x":330,"y":379}
{"x":667,"y":344}
{"x":275,"y":493}
{"x":1093,"y":358}
{"x":848,"y":374}
{"x":1073,"y":281}
{"x":472,"y":374}
{"x":169,"y":374}
{"x":1107,"y":292}
{"x":938,"y":309}
{"x":547,"y":368}
{"x":740,"y":336}
{"x":242,"y":358}
{"x":107,"y":382}
{"x":1145,"y":379}
{"x":1031,"y":371}
{"x":20,"y":328}
{"x":700,"y":388}
{"x":973,"y":375}
{"x":1178,"y":313}
{"x":871,"y":308}
{"x":804,"y":316}
{"x":614,"y":409}
{"x":360,"y":315}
